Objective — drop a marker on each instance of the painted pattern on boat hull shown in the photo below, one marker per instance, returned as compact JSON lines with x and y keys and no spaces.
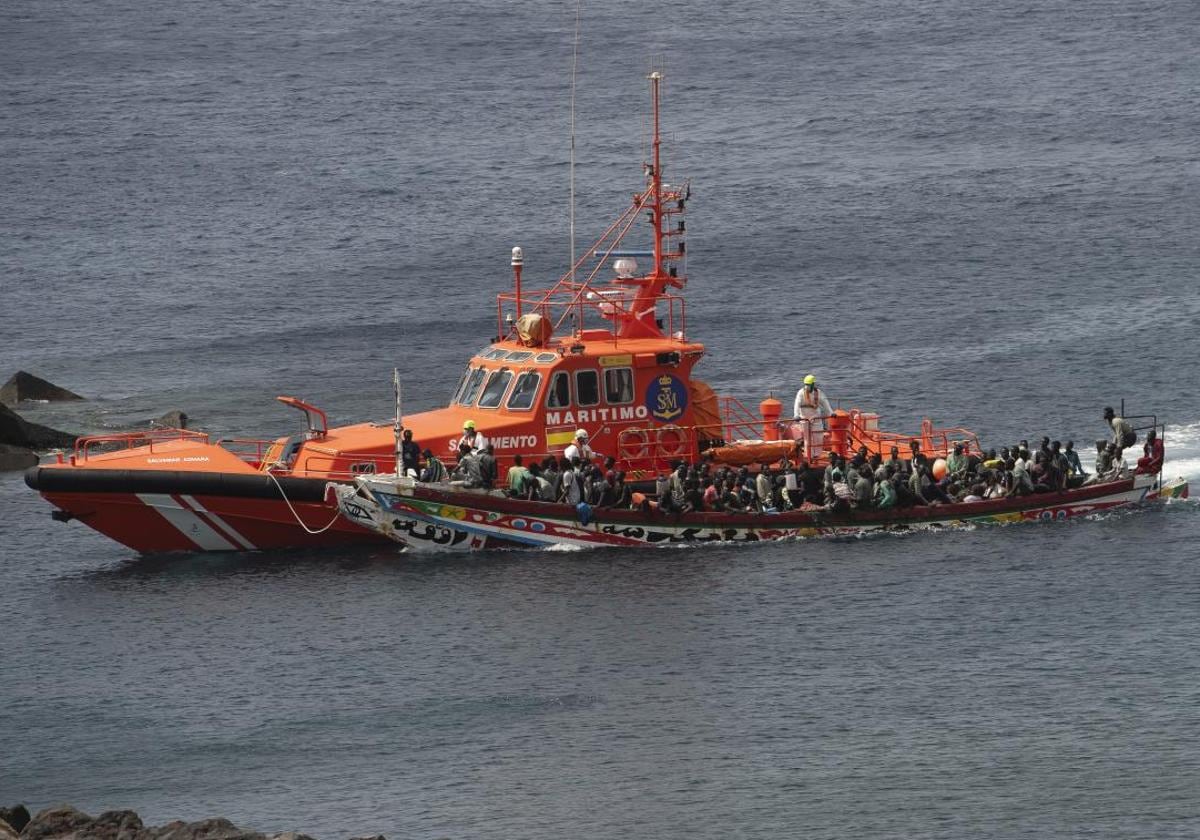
{"x":458,"y":520}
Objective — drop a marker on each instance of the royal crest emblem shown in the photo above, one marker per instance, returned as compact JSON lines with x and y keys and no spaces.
{"x":666,"y":398}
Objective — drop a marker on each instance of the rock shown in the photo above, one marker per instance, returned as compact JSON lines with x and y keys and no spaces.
{"x":63,"y":822}
{"x":26,"y":386}
{"x":114,"y":825}
{"x":373,"y":837}
{"x":17,"y":817}
{"x":57,"y":821}
{"x":6,"y":831}
{"x":171,"y":420}
{"x":16,"y":458}
{"x":16,"y":431}
{"x":217,"y":828}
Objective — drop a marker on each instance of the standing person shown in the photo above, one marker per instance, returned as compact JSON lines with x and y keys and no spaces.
{"x":1123,"y":434}
{"x":553,"y":476}
{"x":518,"y":477}
{"x":472,"y":439}
{"x":571,"y":484}
{"x":764,"y":489}
{"x":579,"y":448}
{"x":811,"y":402}
{"x":811,"y":405}
{"x":1072,"y":457}
{"x":608,"y":490}
{"x":487,"y":467}
{"x":410,"y":455}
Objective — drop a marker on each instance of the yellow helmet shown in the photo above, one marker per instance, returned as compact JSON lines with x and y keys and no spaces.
{"x":470,"y":424}
{"x":810,"y":380}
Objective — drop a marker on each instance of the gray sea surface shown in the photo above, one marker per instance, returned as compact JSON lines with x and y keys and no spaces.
{"x":981,"y":212}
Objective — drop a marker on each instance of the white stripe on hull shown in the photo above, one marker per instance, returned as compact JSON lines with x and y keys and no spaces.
{"x":220,"y":523}
{"x":187,"y":522}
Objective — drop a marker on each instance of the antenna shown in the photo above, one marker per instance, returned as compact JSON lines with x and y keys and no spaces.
{"x":574,"y":70}
{"x":398,"y":426}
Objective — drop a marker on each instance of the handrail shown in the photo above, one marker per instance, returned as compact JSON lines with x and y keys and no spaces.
{"x":131,"y":440}
{"x":241,"y":448}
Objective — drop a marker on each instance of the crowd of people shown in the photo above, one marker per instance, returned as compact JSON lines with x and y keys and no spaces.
{"x":865,"y":481}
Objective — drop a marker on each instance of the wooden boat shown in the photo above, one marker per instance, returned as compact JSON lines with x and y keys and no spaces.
{"x":444,"y":517}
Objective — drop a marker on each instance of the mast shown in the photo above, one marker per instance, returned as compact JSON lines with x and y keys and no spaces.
{"x":656,"y":179}
{"x":574,"y":71}
{"x":398,"y":426}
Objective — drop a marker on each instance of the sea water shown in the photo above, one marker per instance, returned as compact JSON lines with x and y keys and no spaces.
{"x":980,"y":212}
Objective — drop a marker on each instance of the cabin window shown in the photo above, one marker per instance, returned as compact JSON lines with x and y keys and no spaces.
{"x":618,"y":386}
{"x":524,"y":391}
{"x":560,"y":391}
{"x":545,"y":358}
{"x":519,"y":355}
{"x":462,"y":384}
{"x":471,"y":389}
{"x":496,"y":386}
{"x":587,"y":387}
{"x":495,"y":353}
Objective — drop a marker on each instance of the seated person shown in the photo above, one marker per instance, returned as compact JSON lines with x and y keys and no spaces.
{"x":863,"y":487}
{"x":469,"y":470}
{"x":1104,"y":459}
{"x":1152,"y":454}
{"x":435,"y":471}
{"x":885,"y":491}
{"x":1021,"y":484}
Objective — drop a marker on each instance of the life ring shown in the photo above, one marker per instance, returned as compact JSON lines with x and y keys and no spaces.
{"x":634,"y":444}
{"x":671,"y":441}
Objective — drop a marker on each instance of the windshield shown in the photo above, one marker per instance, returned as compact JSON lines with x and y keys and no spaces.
{"x":471,"y":388}
{"x":525,"y":390}
{"x":496,"y":386}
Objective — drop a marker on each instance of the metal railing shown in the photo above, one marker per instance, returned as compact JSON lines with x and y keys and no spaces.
{"x":118,"y":441}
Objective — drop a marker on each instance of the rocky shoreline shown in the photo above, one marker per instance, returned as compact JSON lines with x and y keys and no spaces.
{"x":63,"y":822}
{"x":21,"y":440}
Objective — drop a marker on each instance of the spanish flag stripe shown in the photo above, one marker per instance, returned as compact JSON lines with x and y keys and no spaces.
{"x":559,"y":438}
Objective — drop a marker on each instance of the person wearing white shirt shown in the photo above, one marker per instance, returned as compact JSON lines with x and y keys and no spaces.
{"x":811,"y":401}
{"x":579,"y":448}
{"x":475,"y":441}
{"x":811,"y":404}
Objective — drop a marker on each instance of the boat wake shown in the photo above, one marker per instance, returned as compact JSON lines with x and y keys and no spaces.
{"x":1183,"y":451}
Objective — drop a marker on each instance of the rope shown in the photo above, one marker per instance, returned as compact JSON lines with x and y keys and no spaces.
{"x":286,"y":500}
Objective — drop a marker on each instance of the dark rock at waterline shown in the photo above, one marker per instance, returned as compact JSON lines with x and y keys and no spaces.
{"x":171,"y":420}
{"x":114,"y":825}
{"x":25,"y":386}
{"x":62,"y":822}
{"x":15,"y":458}
{"x":17,"y":817}
{"x":56,"y":821}
{"x":16,"y":431}
{"x":217,"y":828}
